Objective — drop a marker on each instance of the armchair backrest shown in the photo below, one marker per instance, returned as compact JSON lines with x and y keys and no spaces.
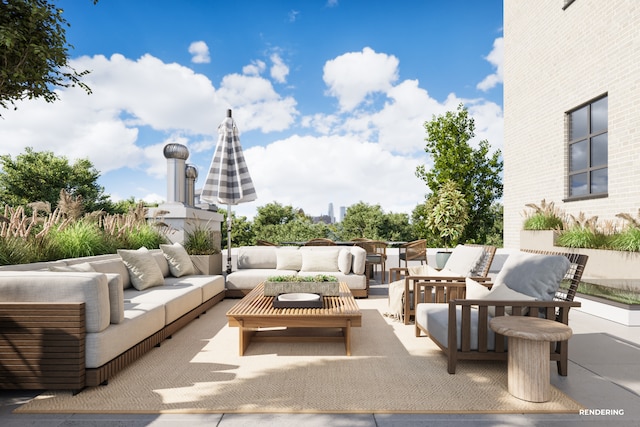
{"x":482,"y":269}
{"x":571,"y":280}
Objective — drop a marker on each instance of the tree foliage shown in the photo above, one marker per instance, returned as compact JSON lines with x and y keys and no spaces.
{"x":449,"y":214}
{"x":476,"y":172}
{"x":40,"y":176}
{"x":34,"y":52}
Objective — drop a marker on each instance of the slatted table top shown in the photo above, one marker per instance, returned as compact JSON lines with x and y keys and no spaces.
{"x":255,"y":304}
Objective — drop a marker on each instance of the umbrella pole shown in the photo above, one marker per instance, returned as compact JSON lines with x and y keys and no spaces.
{"x":228,"y":239}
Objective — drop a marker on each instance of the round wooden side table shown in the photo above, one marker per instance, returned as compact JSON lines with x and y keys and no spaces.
{"x":528,"y":353}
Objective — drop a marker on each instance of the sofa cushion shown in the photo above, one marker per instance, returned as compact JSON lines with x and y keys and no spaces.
{"x":344,"y":261}
{"x":288,"y":259}
{"x":177,"y":298}
{"x":143,"y":268}
{"x":210,"y":285}
{"x":162,"y":262}
{"x":359,"y":260}
{"x":535,"y":275}
{"x":84,"y":266}
{"x":257,"y":257}
{"x":464,"y":259}
{"x":113,"y":266}
{"x":141,"y":320}
{"x":250,"y":278}
{"x":47,"y":286}
{"x":320,"y":261}
{"x":178,"y":259}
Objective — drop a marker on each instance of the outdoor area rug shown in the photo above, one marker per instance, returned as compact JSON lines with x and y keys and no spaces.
{"x":390,"y":371}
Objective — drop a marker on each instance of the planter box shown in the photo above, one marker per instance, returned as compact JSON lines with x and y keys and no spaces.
{"x":207,"y":264}
{"x":614,"y":269}
{"x":625,"y":314}
{"x":329,"y":289}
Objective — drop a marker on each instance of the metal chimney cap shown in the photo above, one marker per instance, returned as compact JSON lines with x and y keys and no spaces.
{"x":191,"y":171}
{"x":176,"y":151}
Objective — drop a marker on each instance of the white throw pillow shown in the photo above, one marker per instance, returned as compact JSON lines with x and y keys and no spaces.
{"x":504,"y":293}
{"x":143,"y":268}
{"x":288,"y":259}
{"x":323,"y":261}
{"x":179,"y":260}
{"x":344,"y":261}
{"x":475,"y":290}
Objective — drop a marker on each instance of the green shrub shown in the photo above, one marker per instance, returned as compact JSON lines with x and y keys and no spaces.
{"x":202,"y":241}
{"x":145,"y":235}
{"x":542,"y":221}
{"x":78,"y":239}
{"x":16,"y":250}
{"x":628,"y":240}
{"x":581,"y":237}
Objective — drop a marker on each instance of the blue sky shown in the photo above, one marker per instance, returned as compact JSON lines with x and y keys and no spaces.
{"x":330,"y":96}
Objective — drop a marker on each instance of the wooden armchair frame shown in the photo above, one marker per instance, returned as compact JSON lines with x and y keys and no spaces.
{"x":320,"y":242}
{"x":416,"y":249}
{"x":439,"y":283}
{"x":557,"y":309}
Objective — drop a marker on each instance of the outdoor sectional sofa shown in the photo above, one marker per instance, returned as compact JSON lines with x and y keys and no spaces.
{"x":256,"y":263}
{"x":75,"y":323}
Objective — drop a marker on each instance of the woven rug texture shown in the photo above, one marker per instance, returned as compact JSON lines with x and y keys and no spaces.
{"x":199,"y":370}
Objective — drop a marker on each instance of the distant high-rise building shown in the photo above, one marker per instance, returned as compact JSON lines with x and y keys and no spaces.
{"x":343,"y":211}
{"x":332,"y":218}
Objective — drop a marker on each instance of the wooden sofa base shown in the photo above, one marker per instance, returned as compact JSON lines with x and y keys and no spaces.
{"x":37,"y":353}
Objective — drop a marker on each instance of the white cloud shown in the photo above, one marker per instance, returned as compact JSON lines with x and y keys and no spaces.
{"x":279,"y":70}
{"x":348,"y":155}
{"x":353,"y":76}
{"x":200,"y":52}
{"x":293,"y":15}
{"x":255,"y":68}
{"x":496,"y":58}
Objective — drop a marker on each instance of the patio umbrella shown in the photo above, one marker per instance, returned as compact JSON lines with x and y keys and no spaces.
{"x":228,"y":180}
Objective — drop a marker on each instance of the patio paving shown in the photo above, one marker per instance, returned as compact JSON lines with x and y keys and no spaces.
{"x":604,"y":376}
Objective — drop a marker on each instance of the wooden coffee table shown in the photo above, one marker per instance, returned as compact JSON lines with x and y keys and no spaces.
{"x":256,"y":311}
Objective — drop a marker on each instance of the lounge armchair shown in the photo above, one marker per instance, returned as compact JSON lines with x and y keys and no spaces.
{"x":531,"y":283}
{"x":465,"y":261}
{"x":416,"y":250}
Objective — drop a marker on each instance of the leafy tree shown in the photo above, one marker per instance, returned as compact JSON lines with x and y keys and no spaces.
{"x":274,"y":214}
{"x":241,"y":230}
{"x":363,"y":220}
{"x":449,"y":214}
{"x":39,"y":176}
{"x":475,"y":171}
{"x":34,"y":53}
{"x":396,"y":227}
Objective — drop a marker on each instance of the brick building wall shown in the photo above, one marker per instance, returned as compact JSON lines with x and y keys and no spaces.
{"x":556,"y":60}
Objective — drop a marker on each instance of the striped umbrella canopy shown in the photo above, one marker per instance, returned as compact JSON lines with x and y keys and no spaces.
{"x":228,"y":180}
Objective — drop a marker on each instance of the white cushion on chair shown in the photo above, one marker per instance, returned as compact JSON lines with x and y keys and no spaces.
{"x":464,"y":259}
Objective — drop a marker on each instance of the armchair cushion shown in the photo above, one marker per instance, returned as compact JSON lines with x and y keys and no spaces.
{"x":344,"y":261}
{"x":464,"y":260}
{"x":534,"y":275}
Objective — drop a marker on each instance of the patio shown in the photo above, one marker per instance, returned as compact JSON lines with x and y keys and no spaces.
{"x":604,"y":376}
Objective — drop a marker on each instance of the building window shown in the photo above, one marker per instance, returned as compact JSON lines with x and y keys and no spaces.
{"x":588,"y":150}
